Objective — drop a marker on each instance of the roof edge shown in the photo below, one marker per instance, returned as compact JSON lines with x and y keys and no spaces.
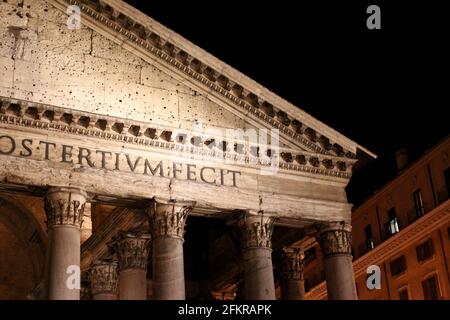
{"x":233,"y":74}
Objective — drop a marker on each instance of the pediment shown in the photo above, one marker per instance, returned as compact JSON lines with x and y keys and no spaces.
{"x":146,"y":38}
{"x":120,"y":73}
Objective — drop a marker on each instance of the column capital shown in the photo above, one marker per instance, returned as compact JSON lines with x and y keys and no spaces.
{"x":132,"y":250}
{"x":292,"y":264}
{"x":104,"y":277}
{"x":64,"y":206}
{"x":335,"y":238}
{"x":256,"y":230}
{"x":167,"y":218}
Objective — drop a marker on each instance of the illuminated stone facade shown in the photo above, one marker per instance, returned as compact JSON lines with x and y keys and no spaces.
{"x":126,"y":149}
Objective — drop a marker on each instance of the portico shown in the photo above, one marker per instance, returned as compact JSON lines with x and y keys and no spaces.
{"x":150,"y":156}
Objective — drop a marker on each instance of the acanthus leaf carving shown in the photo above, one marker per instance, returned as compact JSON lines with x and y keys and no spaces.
{"x":256,"y":230}
{"x":335,"y":239}
{"x":64,"y":206}
{"x":168,"y":219}
{"x":132,"y":250}
{"x":292,"y":264}
{"x":104,"y":277}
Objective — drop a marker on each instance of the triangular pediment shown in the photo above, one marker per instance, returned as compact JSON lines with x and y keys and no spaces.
{"x":125,"y":66}
{"x":144,"y":37}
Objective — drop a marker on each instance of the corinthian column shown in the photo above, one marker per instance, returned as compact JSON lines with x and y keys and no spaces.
{"x":256,"y":232}
{"x":132,"y":251}
{"x":291,"y":275}
{"x":104,"y":280}
{"x":335,"y":242}
{"x":167,"y":221}
{"x":64,"y":209}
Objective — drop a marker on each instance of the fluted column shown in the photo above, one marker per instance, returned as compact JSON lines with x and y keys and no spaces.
{"x":256,"y":232}
{"x":104,"y":276}
{"x":132,"y":251}
{"x":335,"y":242}
{"x":291,"y":274}
{"x":64,"y":210}
{"x":167,"y":223}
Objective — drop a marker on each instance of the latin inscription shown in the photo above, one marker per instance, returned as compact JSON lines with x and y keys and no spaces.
{"x":116,"y":161}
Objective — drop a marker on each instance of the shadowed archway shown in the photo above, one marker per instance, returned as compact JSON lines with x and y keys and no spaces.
{"x":22,"y":250}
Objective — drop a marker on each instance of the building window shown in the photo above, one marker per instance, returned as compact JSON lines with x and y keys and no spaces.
{"x":425,"y":250}
{"x":418,"y":203}
{"x":403,"y":294}
{"x":398,"y":266}
{"x":369,"y":238}
{"x":392,"y":226}
{"x":430,"y":288}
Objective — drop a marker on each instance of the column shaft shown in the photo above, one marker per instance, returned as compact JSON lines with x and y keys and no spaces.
{"x":256,"y":231}
{"x":64,"y":209}
{"x":167,"y":222}
{"x":168,"y":269}
{"x":64,"y":245}
{"x":133,"y":284}
{"x":292,"y":289}
{"x":335,"y":243}
{"x":258,"y":274}
{"x":339,"y":277}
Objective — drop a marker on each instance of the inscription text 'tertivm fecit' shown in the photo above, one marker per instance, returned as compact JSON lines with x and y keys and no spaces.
{"x":115,"y":161}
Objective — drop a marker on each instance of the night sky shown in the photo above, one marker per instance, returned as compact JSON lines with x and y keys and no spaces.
{"x":384,"y":89}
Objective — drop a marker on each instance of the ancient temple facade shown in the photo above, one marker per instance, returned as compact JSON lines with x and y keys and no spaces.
{"x":135,"y":165}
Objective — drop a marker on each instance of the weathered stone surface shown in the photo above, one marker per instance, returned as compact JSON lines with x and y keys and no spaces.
{"x":92,"y":92}
{"x":256,"y":233}
{"x":104,"y":278}
{"x":81,"y":69}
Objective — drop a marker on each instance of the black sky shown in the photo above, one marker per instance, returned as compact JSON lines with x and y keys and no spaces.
{"x":385,"y":89}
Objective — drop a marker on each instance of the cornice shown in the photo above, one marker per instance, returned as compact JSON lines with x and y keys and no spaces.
{"x":400,"y":241}
{"x":57,"y":119}
{"x":405,"y":174}
{"x":164,"y":46}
